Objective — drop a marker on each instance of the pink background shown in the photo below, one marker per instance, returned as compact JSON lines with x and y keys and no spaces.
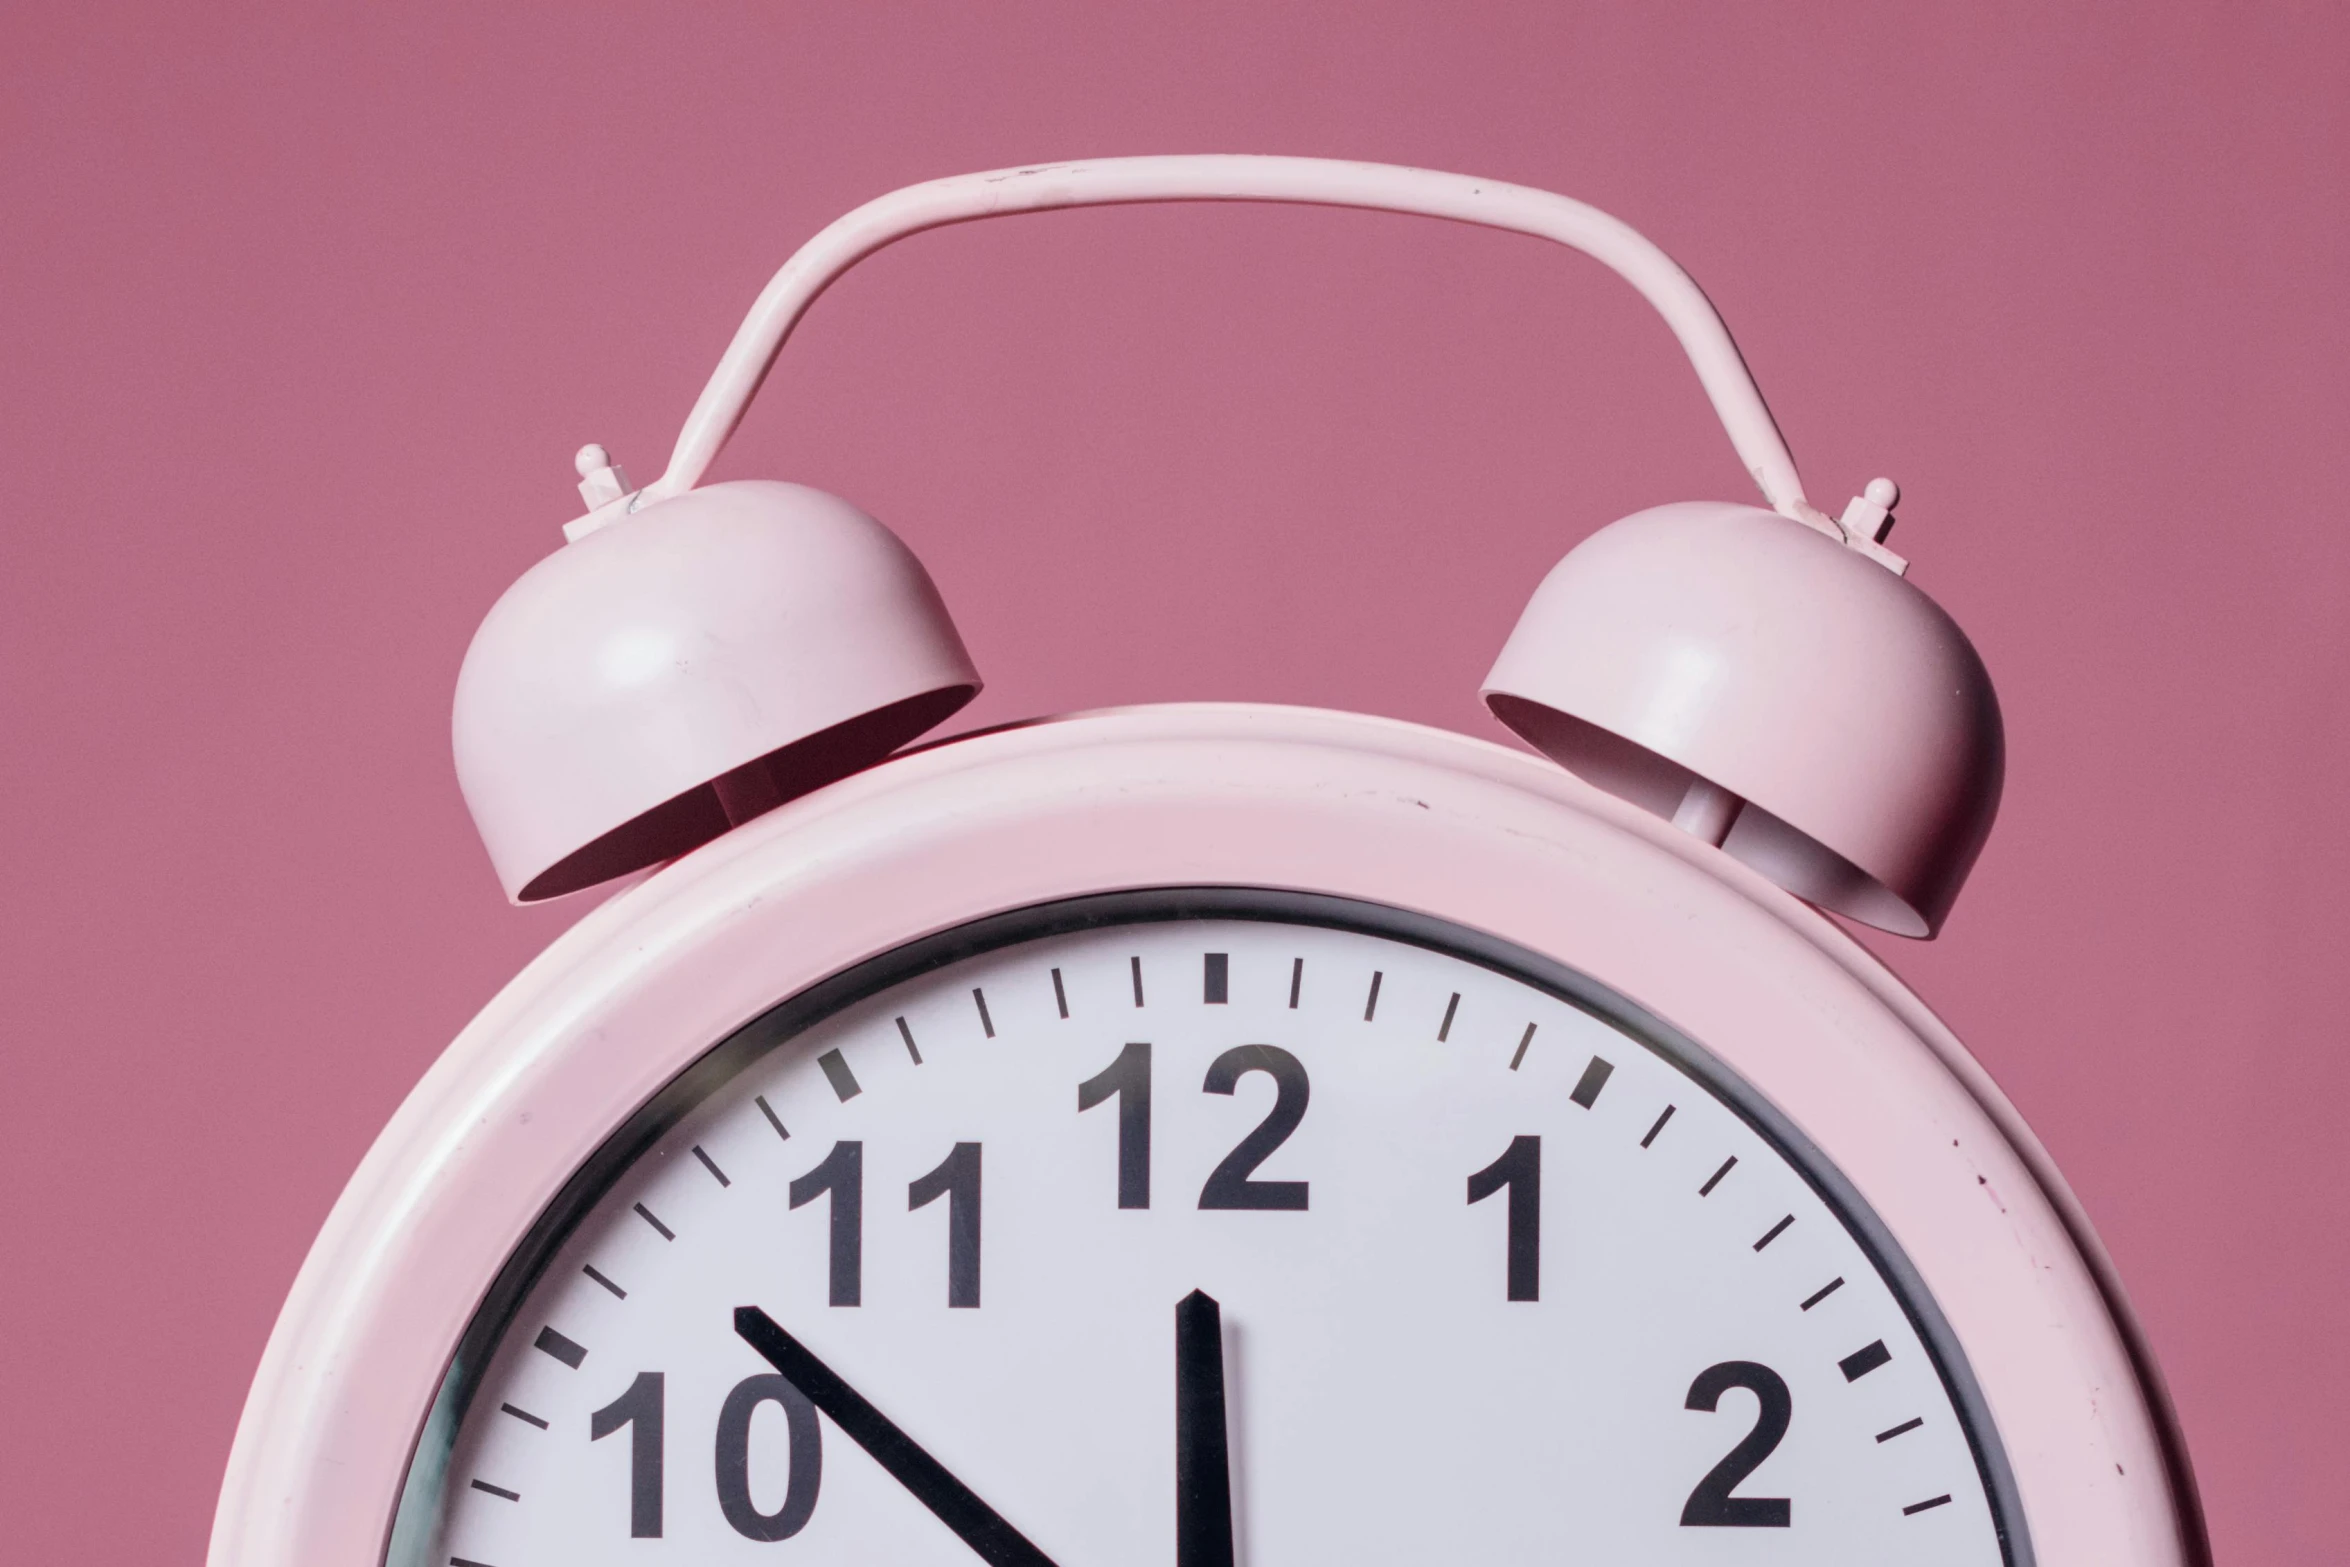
{"x":301,"y":316}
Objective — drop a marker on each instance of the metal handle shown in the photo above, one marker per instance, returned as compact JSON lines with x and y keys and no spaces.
{"x":1222,"y":177}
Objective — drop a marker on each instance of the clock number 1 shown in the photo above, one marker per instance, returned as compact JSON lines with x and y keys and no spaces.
{"x":1519,"y":1169}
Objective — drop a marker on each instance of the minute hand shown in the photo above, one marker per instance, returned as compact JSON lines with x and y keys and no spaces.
{"x":975,"y":1523}
{"x":1203,"y":1467}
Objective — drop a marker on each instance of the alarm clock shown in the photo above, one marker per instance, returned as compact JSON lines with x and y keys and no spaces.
{"x":1212,"y":1134}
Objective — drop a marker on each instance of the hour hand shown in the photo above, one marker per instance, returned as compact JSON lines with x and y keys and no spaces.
{"x":953,"y":1503}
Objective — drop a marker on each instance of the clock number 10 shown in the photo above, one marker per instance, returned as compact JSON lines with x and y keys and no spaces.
{"x":641,"y":1411}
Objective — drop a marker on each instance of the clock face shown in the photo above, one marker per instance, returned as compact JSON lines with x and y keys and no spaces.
{"x":1473,"y":1260}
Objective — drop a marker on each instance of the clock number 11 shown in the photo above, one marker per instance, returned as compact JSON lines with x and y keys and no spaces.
{"x":841,"y":1177}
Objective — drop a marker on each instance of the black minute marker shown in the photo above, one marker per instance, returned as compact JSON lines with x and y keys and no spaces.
{"x":985,"y":1022}
{"x":1371,"y":1005}
{"x":1060,"y":996}
{"x":1136,"y":963}
{"x":1864,"y":1360}
{"x":1444,"y":1029}
{"x":1660,"y":1126}
{"x":837,"y":1073}
{"x":773,"y":1120}
{"x":1774,"y":1232}
{"x":711,"y":1165}
{"x":1297,"y":977}
{"x":1715,"y":1179}
{"x":907,"y":1035}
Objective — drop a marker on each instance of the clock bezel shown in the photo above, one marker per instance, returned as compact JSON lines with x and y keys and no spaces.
{"x":792,"y":1016}
{"x":1348,"y":806}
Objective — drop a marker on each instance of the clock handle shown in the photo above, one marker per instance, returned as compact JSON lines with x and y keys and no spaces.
{"x":1222,"y":177}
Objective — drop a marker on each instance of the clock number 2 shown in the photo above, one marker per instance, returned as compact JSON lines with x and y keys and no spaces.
{"x":1711,"y":1504}
{"x":1228,"y":1184}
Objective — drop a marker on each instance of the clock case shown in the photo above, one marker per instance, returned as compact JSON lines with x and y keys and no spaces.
{"x":1434,"y":825}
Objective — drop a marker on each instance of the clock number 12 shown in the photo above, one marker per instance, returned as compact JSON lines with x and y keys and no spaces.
{"x":1229,"y":1186}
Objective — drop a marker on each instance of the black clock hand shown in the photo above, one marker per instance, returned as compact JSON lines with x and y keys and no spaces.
{"x":1203,"y":1468}
{"x":975,"y":1523}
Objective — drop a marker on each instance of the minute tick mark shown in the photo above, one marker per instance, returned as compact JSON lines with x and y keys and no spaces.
{"x":837,"y":1073}
{"x":773,"y":1120}
{"x":1524,"y":1040}
{"x":1919,"y":1507}
{"x":1444,"y":1029}
{"x":907,"y":1035}
{"x":646,"y":1214}
{"x":497,"y":1490}
{"x":1297,"y":977}
{"x":591,"y":1272}
{"x":527,"y":1418}
{"x":1136,"y":963}
{"x":1864,"y":1360}
{"x":1660,"y":1126}
{"x":1060,"y":996}
{"x":1773,"y":1233}
{"x":1371,"y":1003}
{"x":1906,"y":1425}
{"x":711,"y":1165}
{"x":1823,"y":1292}
{"x":1715,"y":1179}
{"x":987,"y":1023}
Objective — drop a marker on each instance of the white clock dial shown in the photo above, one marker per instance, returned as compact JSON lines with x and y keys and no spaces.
{"x":1505,"y":1272}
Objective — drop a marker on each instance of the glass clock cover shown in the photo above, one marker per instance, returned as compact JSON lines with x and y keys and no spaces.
{"x":1501,"y":1269}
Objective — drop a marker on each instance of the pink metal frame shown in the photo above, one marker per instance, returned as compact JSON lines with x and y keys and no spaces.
{"x":1270,"y":797}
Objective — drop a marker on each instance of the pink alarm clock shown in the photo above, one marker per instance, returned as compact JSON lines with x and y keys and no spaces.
{"x":1212,"y":1134}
